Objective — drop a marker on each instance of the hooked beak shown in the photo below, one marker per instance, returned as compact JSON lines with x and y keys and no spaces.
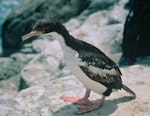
{"x":32,"y":34}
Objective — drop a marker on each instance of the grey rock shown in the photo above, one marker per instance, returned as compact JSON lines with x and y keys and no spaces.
{"x":11,"y":84}
{"x":90,"y":25}
{"x":108,"y":39}
{"x":22,"y":57}
{"x":45,"y":65}
{"x":44,"y":99}
{"x":21,"y":19}
{"x":118,"y":13}
{"x":9,"y":68}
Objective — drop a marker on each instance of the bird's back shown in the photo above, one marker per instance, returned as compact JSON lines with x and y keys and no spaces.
{"x":95,"y":64}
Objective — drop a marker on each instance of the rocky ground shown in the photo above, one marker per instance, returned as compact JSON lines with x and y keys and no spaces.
{"x":33,"y":79}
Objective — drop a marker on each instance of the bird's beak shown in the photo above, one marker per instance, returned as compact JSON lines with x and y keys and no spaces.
{"x":32,"y":34}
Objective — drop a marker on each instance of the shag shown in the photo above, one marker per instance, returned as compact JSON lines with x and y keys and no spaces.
{"x":90,"y":65}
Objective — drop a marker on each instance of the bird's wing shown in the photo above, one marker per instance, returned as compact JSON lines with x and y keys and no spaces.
{"x":98,"y":67}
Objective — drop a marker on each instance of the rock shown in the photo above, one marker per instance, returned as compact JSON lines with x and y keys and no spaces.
{"x":72,"y":24}
{"x":44,"y":98}
{"x":7,"y":102}
{"x":143,"y":60}
{"x":11,"y":84}
{"x":45,"y":65}
{"x":95,"y":31}
{"x":47,"y":47}
{"x":118,"y":15}
{"x":97,"y":5}
{"x":21,"y":19}
{"x":36,"y":73}
{"x":136,"y":32}
{"x":104,"y":30}
{"x":103,"y":4}
{"x":91,"y":24}
{"x":22,"y":57}
{"x":9,"y":68}
{"x":107,"y":39}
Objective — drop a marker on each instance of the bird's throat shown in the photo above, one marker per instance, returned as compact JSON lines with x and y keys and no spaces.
{"x":69,"y":53}
{"x":59,"y":37}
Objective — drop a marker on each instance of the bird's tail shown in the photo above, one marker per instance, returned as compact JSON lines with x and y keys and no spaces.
{"x":129,"y":90}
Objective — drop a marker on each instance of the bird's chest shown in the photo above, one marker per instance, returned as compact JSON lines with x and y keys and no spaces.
{"x":87,"y":82}
{"x":70,"y":55}
{"x":73,"y":63}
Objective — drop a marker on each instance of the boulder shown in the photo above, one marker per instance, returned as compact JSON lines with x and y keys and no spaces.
{"x":96,"y":31}
{"x":45,"y":65}
{"x":21,"y":19}
{"x":108,"y":39}
{"x":91,"y":24}
{"x":12,"y":84}
{"x":9,"y":67}
{"x":43,"y":99}
{"x":22,"y":57}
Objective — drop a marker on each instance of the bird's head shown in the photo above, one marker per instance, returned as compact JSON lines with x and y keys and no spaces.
{"x":41,"y":27}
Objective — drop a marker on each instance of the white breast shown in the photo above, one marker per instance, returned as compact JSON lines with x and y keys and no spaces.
{"x":87,"y":82}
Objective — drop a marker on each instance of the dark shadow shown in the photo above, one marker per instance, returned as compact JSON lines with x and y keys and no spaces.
{"x":108,"y":108}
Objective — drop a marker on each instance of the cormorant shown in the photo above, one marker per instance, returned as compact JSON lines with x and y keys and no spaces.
{"x":89,"y":64}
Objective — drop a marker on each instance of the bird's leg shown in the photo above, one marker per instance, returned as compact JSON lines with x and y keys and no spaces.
{"x":75,"y":100}
{"x":84,"y":100}
{"x":91,"y":107}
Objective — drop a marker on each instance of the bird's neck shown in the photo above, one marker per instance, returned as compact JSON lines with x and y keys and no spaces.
{"x":63,"y":36}
{"x":68,"y":52}
{"x":60,"y":39}
{"x":61,"y":30}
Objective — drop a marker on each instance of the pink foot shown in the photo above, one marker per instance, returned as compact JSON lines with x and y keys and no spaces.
{"x":88,"y":108}
{"x":75,"y":100}
{"x":70,"y":99}
{"x":91,"y":107}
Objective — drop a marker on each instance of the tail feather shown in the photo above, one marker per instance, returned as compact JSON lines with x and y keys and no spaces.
{"x":129,"y":90}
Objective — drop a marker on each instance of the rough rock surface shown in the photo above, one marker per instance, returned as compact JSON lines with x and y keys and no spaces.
{"x":9,"y":67}
{"x":20,"y":20}
{"x":43,"y":99}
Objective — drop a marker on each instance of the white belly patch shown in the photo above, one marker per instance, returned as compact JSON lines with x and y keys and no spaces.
{"x":87,"y":82}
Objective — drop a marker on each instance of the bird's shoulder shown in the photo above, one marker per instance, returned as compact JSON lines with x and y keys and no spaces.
{"x":92,"y":56}
{"x":96,"y":65}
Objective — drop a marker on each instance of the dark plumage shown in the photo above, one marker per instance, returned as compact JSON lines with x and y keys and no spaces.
{"x":89,"y":64}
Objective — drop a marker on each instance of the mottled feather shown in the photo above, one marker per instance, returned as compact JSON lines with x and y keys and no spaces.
{"x":96,"y":65}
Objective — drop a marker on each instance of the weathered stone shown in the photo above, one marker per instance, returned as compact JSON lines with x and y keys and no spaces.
{"x":108,"y":39}
{"x":22,"y":57}
{"x":11,"y":84}
{"x":9,"y":68}
{"x":91,"y":24}
{"x":44,"y":98}
{"x":72,"y":24}
{"x":21,"y":19}
{"x":118,"y":15}
{"x":45,"y":65}
{"x":95,"y":31}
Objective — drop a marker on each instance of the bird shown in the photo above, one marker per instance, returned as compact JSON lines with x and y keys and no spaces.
{"x":90,"y":65}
